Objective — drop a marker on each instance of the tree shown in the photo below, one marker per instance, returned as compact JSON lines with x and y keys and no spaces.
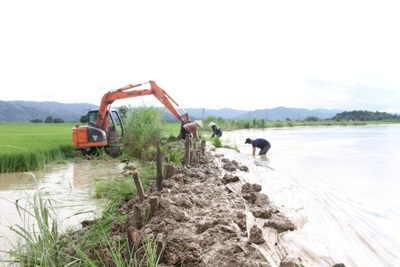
{"x":84,"y":119}
{"x":58,"y":120}
{"x":359,"y":115}
{"x":49,"y":119}
{"x":123,"y":110}
{"x":312,"y":118}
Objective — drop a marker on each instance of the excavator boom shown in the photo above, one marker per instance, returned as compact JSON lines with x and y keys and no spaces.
{"x":128,"y":91}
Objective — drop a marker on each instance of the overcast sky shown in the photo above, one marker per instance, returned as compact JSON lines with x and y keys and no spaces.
{"x":208,"y":54}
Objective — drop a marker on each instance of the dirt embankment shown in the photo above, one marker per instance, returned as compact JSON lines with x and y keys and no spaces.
{"x":208,"y":216}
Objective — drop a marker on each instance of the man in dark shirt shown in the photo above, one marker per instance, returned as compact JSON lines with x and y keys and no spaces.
{"x":216,"y":130}
{"x":260,"y":143}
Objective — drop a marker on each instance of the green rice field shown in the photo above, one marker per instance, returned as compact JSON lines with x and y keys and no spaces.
{"x":29,"y":146}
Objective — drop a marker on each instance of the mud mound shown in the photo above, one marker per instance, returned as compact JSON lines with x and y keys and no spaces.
{"x":206,"y":215}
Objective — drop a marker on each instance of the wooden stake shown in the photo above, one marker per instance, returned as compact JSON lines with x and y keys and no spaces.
{"x":159,"y":169}
{"x":154,"y":203}
{"x":133,"y":240}
{"x":203,"y":147}
{"x":137,"y":214}
{"x":187,"y":150}
{"x":169,"y":170}
{"x":138,"y":185}
{"x":194,"y":157}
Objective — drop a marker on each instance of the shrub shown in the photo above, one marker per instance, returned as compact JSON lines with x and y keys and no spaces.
{"x":144,"y":130}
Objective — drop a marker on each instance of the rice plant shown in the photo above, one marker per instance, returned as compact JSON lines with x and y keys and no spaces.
{"x":177,"y":157}
{"x":28,"y":147}
{"x":217,"y":142}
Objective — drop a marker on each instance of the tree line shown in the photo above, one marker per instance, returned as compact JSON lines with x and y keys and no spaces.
{"x":363,"y":115}
{"x":49,"y":119}
{"x":355,"y":115}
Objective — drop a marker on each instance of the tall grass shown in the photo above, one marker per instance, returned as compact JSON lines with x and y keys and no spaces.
{"x":144,"y":129}
{"x":38,"y":243}
{"x":41,"y":243}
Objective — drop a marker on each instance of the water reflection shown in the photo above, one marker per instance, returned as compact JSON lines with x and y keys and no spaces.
{"x":69,"y":186}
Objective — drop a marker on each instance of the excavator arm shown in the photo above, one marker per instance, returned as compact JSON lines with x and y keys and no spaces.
{"x":130,"y":91}
{"x":99,"y":134}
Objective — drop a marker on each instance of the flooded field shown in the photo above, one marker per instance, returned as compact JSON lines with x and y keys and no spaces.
{"x":69,"y":186}
{"x":338,"y":184}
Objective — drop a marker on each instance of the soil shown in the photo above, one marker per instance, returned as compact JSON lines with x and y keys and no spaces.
{"x":206,"y":215}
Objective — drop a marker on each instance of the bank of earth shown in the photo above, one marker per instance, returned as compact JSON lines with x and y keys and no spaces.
{"x":206,"y":215}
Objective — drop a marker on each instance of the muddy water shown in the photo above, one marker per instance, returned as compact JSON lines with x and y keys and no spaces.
{"x":69,"y":186}
{"x":340,"y":185}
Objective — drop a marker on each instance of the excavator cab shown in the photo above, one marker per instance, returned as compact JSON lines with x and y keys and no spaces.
{"x":90,"y":137}
{"x":113,"y":127}
{"x":113,"y":124}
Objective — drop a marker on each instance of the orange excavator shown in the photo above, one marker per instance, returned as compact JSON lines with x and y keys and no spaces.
{"x":105,"y":126}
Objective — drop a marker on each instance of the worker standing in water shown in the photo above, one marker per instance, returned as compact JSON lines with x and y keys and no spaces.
{"x":216,"y":130}
{"x":260,"y":143}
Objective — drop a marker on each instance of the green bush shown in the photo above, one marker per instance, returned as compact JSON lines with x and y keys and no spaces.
{"x":144,"y":129}
{"x":217,"y":142}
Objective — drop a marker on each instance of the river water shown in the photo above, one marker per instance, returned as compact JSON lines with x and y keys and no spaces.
{"x":338,"y":184}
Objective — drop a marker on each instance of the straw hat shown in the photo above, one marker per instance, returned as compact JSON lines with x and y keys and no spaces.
{"x":211,"y":123}
{"x":199,"y":123}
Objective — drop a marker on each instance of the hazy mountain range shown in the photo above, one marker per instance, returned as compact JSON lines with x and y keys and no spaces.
{"x":25,"y":111}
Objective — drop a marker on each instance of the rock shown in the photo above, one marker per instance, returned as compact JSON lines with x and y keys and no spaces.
{"x":290,"y":262}
{"x":280,"y":223}
{"x":249,"y":188}
{"x":256,"y":235}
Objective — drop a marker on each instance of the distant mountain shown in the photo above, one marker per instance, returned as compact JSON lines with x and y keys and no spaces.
{"x":226,"y":113}
{"x":274,"y":114}
{"x":282,"y":113}
{"x":25,"y":111}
